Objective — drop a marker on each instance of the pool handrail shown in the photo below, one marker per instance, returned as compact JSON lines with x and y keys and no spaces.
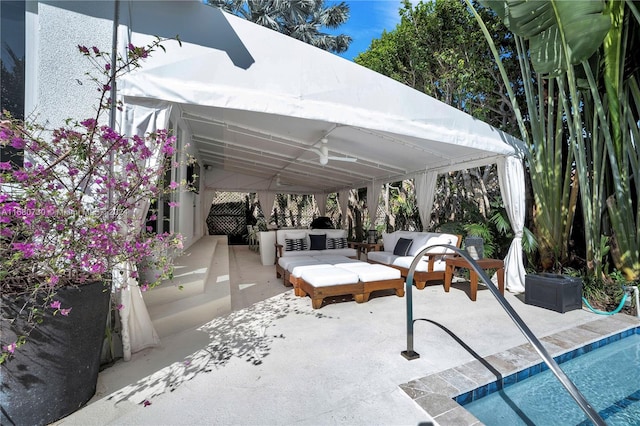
{"x":410,"y":354}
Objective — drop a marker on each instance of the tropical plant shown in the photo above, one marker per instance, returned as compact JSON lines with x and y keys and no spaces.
{"x":300,"y":19}
{"x":425,"y":52}
{"x":73,"y":213}
{"x":574,"y":124}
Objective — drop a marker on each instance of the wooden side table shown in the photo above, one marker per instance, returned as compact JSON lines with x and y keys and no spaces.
{"x":364,"y":247}
{"x":461,"y":262}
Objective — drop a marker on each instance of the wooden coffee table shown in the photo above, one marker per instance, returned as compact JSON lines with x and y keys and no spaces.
{"x":461,"y":262}
{"x":364,"y":248}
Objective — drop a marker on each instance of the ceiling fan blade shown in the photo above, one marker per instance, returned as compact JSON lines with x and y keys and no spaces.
{"x":348,"y":159}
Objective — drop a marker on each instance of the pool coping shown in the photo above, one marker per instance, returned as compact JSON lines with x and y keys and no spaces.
{"x":441,"y":394}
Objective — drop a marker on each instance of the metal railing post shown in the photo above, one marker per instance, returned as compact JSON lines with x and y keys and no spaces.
{"x":548,"y":359}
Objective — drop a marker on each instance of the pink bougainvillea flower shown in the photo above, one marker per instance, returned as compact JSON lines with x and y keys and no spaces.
{"x":11,"y":348}
{"x":144,"y":287}
{"x":146,"y":403}
{"x":27,"y":249}
{"x":120,"y":306}
{"x":65,"y":312}
{"x":53,"y":280}
{"x":174,"y":185}
{"x":20,"y":175}
{"x":174,"y":204}
{"x":55,"y":304}
{"x":5,"y":165}
{"x":18,"y":143}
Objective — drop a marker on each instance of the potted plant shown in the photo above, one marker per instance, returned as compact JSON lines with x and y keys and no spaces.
{"x":71,"y":224}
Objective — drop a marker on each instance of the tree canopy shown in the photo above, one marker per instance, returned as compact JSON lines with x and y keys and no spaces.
{"x":438,"y":48}
{"x":300,"y":19}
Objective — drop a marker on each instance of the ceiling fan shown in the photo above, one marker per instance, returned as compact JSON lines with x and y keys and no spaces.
{"x":324,"y":156}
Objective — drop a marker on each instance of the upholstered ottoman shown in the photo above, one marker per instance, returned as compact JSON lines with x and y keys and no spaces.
{"x":375,"y":277}
{"x":286,"y":264}
{"x":319,"y":283}
{"x":297,"y":270}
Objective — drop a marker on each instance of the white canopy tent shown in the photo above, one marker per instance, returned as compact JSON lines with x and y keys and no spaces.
{"x":258,"y":104}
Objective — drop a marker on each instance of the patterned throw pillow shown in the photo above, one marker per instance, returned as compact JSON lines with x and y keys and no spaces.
{"x":295,"y":245}
{"x":336,"y":243}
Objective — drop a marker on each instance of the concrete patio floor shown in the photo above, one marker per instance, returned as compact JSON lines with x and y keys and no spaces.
{"x":276,"y":361}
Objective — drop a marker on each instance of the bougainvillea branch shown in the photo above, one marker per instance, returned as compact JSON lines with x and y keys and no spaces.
{"x":72,"y":210}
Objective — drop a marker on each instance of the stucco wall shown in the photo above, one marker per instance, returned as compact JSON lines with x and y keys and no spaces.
{"x":57,"y":87}
{"x":62,"y":87}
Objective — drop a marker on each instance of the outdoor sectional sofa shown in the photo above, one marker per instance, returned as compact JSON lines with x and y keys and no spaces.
{"x":401,"y":247}
{"x":311,"y":242}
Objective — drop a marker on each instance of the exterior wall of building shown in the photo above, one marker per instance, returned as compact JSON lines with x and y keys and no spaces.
{"x":58,"y":88}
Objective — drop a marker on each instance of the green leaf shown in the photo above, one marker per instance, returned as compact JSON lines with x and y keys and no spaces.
{"x":560,"y":32}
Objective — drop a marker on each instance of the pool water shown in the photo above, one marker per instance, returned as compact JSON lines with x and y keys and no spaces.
{"x":608,"y":377}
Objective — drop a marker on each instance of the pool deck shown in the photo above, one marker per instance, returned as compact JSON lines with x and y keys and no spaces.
{"x":273,"y":360}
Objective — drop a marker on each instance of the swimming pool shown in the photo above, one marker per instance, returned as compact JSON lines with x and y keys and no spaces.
{"x":608,"y":377}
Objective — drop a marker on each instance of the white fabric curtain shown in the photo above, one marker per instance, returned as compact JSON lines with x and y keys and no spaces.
{"x":267,"y":198}
{"x":373,"y":199}
{"x":511,"y":178}
{"x":425,"y":187}
{"x":137,"y":329}
{"x":343,"y":200}
{"x":321,"y":201}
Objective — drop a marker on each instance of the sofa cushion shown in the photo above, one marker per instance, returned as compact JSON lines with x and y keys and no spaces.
{"x":329,"y":276}
{"x":332,"y":257}
{"x":405,"y":262}
{"x":385,"y":257}
{"x":318,"y":241}
{"x":297,"y":244}
{"x":336,"y":243}
{"x":389,"y":240}
{"x":402,"y":247}
{"x":346,"y":252}
{"x":368,"y":272}
{"x":419,"y":243}
{"x":287,"y":261}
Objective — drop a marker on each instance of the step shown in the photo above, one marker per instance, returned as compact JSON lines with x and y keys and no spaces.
{"x":190,"y":274}
{"x":185,"y":313}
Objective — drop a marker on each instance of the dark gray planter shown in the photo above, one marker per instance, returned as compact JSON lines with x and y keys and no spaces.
{"x":559,"y":293}
{"x":56,"y":371}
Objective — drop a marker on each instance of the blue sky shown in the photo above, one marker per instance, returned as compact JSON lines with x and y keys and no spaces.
{"x":368,"y":19}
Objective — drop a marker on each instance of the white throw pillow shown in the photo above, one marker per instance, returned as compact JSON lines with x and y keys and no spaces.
{"x":335,"y":233}
{"x":442,"y":239}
